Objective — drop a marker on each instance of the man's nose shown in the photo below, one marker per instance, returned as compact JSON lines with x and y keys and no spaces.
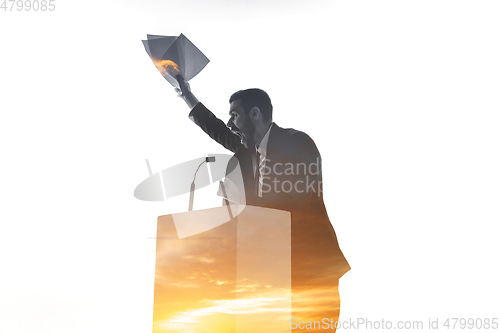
{"x":230,"y":124}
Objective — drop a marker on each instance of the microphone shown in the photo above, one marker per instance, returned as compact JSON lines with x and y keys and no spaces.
{"x":191,"y":194}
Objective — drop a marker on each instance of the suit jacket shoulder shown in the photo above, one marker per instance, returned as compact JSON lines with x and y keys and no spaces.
{"x":294,"y":144}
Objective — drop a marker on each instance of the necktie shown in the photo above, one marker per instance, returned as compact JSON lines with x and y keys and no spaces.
{"x":260,"y":163}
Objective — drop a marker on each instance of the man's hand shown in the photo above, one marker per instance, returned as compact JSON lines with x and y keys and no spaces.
{"x":184,"y":87}
{"x":185,"y":93}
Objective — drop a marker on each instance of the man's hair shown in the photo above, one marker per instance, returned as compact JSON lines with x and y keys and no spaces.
{"x":254,"y":97}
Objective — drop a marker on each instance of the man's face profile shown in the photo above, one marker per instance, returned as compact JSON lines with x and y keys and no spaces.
{"x":240,"y":122}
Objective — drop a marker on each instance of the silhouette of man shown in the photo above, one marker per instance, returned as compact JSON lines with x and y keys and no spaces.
{"x":281,"y":169}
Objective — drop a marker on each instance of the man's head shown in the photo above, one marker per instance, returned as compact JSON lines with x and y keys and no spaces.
{"x":251,"y":113}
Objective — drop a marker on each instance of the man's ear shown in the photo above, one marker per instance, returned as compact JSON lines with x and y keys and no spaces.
{"x":255,"y":113}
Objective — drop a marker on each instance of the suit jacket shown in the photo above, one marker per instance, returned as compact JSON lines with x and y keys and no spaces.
{"x":292,"y":182}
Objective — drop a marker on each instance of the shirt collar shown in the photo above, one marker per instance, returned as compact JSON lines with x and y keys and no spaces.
{"x":262,"y":147}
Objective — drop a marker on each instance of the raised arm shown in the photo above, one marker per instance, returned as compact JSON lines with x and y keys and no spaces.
{"x":185,"y":93}
{"x":207,"y":121}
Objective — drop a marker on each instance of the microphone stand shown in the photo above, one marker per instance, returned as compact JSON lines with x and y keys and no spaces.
{"x":191,"y":192}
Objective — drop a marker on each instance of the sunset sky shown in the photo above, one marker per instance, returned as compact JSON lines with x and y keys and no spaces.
{"x":233,"y":278}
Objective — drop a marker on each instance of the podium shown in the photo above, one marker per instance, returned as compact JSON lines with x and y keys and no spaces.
{"x":222,"y":272}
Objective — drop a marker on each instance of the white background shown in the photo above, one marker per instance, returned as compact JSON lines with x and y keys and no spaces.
{"x":401,"y":98}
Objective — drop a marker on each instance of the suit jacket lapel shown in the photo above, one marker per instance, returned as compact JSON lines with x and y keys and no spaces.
{"x":273,"y":144}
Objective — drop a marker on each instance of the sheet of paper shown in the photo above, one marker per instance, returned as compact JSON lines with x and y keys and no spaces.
{"x":175,"y":56}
